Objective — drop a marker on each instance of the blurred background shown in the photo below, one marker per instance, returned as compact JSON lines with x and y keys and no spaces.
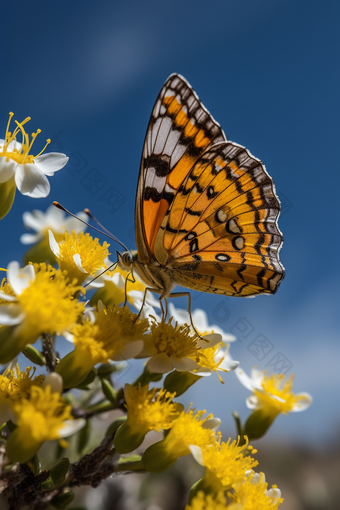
{"x":88,"y":74}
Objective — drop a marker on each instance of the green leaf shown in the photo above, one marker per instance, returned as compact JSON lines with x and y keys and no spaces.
{"x":7,"y":194}
{"x":34,"y":464}
{"x":88,"y":379}
{"x":130,"y":458}
{"x":108,"y":390}
{"x":114,"y":425}
{"x":62,"y":500}
{"x":11,"y":426}
{"x":84,"y":436}
{"x":34,"y":355}
{"x":106,"y":369}
{"x":257,"y":424}
{"x":57,"y":476}
{"x":146,"y":377}
{"x":180,"y":382}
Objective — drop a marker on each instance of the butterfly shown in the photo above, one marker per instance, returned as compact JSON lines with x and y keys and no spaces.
{"x":206,"y":209}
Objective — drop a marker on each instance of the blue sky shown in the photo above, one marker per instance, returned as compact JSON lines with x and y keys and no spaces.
{"x":267,"y":70}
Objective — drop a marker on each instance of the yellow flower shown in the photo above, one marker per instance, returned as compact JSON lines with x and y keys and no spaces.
{"x":146,"y":410}
{"x":43,"y":416}
{"x":208,"y":502}
{"x":252,"y":494}
{"x":79,"y":254}
{"x":19,"y":168}
{"x":41,"y":222}
{"x":111,"y":333}
{"x":15,"y":386}
{"x":113,"y":291}
{"x":40,"y":300}
{"x":226,"y":463}
{"x":189,"y":429}
{"x":215,"y":359}
{"x":174,"y":347}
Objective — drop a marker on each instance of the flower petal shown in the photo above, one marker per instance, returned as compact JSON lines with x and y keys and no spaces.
{"x":73,"y":223}
{"x":245,"y":379}
{"x":159,"y":364}
{"x":229,"y":364}
{"x":55,"y":381}
{"x":183,"y":364}
{"x":77,"y":261}
{"x":212,"y":424}
{"x":131,"y":350}
{"x":7,"y":297}
{"x":203,"y":371}
{"x":7,"y":169}
{"x":11,"y":315}
{"x":19,"y":279}
{"x":30,"y":238}
{"x":209,"y":340}
{"x":252,"y":402}
{"x":34,"y":219}
{"x":274,"y":493}
{"x":53,"y":244}
{"x":71,"y":427}
{"x":305,"y":401}
{"x":31,"y":181}
{"x":181,"y":316}
{"x":196,"y":452}
{"x":51,"y":162}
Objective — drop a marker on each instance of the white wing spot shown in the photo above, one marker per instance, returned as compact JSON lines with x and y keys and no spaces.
{"x":233,"y":226}
{"x":239,"y":243}
{"x":221,"y":216}
{"x":169,"y":93}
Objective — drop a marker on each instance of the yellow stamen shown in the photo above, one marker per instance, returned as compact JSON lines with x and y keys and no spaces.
{"x":43,"y":414}
{"x":175,"y":341}
{"x":251,"y":494}
{"x":208,"y":502}
{"x":22,"y":155}
{"x":188,"y":430}
{"x":18,"y":386}
{"x":48,"y":302}
{"x":276,"y":386}
{"x":108,"y":336}
{"x":229,"y":462}
{"x":150,"y":409}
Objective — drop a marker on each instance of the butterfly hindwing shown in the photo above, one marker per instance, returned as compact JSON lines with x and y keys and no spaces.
{"x":221,"y":231}
{"x":179,"y":131}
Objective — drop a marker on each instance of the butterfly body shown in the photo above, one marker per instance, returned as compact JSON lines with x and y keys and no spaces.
{"x":206,"y":209}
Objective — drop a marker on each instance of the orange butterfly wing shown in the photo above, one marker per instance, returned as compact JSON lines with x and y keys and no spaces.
{"x":179,"y":131}
{"x":221,"y":234}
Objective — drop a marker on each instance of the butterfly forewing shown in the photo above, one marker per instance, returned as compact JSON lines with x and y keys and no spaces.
{"x":206,"y":209}
{"x":179,"y":131}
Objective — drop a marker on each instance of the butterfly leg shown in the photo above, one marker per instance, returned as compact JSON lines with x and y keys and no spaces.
{"x":150,"y":289}
{"x":187,"y":294}
{"x":162,"y":309}
{"x":128,"y":280}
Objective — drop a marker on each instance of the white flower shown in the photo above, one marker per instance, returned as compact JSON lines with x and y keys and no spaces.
{"x":165,"y":344}
{"x":200,"y":321}
{"x":19,"y":279}
{"x":272,"y":393}
{"x":53,"y":219}
{"x":29,"y":171}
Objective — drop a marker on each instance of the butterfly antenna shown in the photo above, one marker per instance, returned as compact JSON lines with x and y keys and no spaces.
{"x":100,"y":274}
{"x":93,"y":218}
{"x":105,"y":233}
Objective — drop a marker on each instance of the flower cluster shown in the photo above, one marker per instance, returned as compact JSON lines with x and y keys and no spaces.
{"x":68,"y":289}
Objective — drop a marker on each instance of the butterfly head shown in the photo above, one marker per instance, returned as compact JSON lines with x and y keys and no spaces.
{"x":125,"y":260}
